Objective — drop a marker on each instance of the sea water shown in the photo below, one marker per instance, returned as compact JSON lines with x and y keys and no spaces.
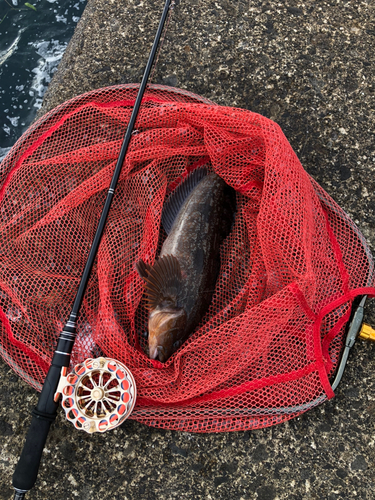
{"x":33,"y":38}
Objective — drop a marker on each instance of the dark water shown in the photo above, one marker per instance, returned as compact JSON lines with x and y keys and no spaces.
{"x":32,"y":43}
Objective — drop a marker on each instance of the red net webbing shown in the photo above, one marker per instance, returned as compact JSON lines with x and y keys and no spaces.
{"x":290,"y":268}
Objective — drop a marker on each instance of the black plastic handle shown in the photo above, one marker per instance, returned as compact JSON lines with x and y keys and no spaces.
{"x":44,"y":414}
{"x":26,"y":472}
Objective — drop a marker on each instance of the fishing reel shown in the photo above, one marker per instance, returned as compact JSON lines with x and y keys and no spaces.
{"x":98,"y":395}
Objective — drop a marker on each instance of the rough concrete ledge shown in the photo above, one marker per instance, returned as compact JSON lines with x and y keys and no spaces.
{"x":309,"y":66}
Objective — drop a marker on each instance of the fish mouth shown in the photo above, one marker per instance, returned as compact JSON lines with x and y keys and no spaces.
{"x":156,"y":353}
{"x":165,"y":328}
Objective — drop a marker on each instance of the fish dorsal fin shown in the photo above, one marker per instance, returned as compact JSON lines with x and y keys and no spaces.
{"x":163,"y":281}
{"x":177,"y":198}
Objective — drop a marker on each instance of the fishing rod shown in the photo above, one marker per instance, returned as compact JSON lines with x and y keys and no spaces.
{"x":45,"y":412}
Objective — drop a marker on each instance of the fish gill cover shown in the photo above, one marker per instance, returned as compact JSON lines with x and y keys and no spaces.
{"x":293,"y":262}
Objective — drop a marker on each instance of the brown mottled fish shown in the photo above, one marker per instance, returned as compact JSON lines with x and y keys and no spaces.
{"x":197,"y":217}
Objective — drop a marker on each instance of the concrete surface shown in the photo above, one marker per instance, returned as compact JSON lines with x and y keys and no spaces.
{"x":309,"y":66}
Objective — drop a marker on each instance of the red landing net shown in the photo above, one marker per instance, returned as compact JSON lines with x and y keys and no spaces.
{"x":271,"y":340}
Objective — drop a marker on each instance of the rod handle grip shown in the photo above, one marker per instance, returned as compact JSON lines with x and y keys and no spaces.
{"x":26,"y":472}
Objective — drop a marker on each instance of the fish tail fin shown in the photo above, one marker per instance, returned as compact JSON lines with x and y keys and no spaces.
{"x":163,"y":281}
{"x":177,"y":198}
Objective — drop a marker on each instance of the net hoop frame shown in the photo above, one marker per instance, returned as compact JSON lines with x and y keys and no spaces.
{"x":168,"y":411}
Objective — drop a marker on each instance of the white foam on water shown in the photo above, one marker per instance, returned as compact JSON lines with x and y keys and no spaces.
{"x":4,"y":152}
{"x":24,"y":94}
{"x":61,"y":19}
{"x":13,"y":120}
{"x":6,"y":129}
{"x":5,"y":54}
{"x":50,"y":53}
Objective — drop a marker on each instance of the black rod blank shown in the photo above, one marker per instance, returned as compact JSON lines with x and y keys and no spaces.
{"x":45,"y":412}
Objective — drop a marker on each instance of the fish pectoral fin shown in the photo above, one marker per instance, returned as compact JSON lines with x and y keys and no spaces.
{"x":164,"y":282}
{"x":177,"y":198}
{"x":142,"y":268}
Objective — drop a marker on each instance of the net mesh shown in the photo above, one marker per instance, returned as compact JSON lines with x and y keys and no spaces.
{"x":290,"y":268}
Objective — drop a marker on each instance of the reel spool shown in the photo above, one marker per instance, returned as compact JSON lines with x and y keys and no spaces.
{"x":98,"y":395}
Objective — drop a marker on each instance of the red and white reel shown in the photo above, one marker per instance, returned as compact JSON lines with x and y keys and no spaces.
{"x":98,"y":395}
